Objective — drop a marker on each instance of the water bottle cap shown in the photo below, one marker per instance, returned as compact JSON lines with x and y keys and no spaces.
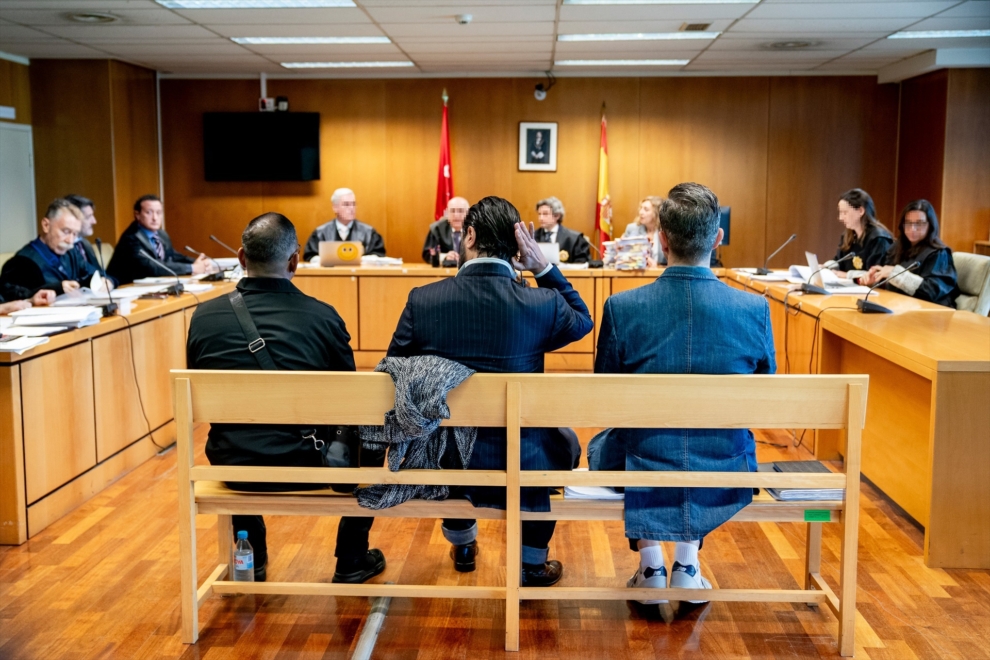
{"x":242,"y":534}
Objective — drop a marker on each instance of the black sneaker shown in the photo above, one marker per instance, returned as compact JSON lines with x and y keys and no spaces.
{"x":372,"y":564}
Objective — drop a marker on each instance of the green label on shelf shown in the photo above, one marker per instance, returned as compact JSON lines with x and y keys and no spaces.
{"x":817,"y":515}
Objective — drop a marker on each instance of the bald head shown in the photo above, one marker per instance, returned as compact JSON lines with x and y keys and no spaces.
{"x":457,"y":209}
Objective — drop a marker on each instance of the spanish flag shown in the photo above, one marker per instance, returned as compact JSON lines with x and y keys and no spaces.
{"x":603,"y":214}
{"x":445,"y":177}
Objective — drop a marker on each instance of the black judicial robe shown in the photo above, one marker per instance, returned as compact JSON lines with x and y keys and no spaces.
{"x":361,"y":232}
{"x":574,"y":249}
{"x":940,"y":285}
{"x":11,"y":292}
{"x":36,"y":267}
{"x":871,"y":248}
{"x":441,"y":235}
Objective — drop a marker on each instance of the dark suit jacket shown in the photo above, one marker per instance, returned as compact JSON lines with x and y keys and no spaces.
{"x":573,"y":243}
{"x":28,"y":269}
{"x":360,"y":232}
{"x":88,"y":254}
{"x":486,"y":320}
{"x":441,"y":234}
{"x":128,"y":265}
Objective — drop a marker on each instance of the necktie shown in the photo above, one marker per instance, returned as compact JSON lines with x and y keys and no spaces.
{"x":81,"y":250}
{"x":159,"y":248}
{"x":457,"y":241}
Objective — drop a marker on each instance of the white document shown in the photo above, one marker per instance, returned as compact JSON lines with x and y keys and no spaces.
{"x":567,"y":266}
{"x":197,"y":287}
{"x":227,"y":263}
{"x":21,"y":344}
{"x":33,"y":330}
{"x":72,"y":317}
{"x":375,"y":260}
{"x":591,"y":493}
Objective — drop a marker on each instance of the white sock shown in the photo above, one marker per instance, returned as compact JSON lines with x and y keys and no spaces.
{"x":686,"y":552}
{"x":651,"y":556}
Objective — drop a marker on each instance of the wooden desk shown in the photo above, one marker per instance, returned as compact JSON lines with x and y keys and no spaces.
{"x":927,"y":438}
{"x":71,"y":421}
{"x":982,"y":247}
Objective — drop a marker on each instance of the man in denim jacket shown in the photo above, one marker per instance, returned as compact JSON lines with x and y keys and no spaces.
{"x":686,"y":322}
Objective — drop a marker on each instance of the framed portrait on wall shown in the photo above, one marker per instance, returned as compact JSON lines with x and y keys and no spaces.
{"x":538,"y":146}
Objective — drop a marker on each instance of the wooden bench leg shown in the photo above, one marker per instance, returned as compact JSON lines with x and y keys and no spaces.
{"x":225,"y":544}
{"x":189,"y":597}
{"x":813,"y":555}
{"x":513,"y":518}
{"x":850,"y":524}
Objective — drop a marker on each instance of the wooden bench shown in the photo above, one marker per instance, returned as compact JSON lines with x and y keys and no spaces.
{"x":514,"y":401}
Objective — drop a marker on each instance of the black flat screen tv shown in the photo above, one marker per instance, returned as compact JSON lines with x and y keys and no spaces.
{"x":261,"y":146}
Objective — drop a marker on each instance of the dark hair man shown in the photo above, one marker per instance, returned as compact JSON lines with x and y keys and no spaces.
{"x":487,"y":320}
{"x":301,"y":334}
{"x":345,"y":227}
{"x":145,"y":237}
{"x":82,"y":246}
{"x":574,"y":247}
{"x":50,"y":261}
{"x":686,"y":322}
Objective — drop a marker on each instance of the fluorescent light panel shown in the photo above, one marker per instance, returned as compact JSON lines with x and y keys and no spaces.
{"x":343,"y":65}
{"x":939,"y":34}
{"x":660,"y":2}
{"x":621,"y":62}
{"x":310,"y":40}
{"x":254,"y":4}
{"x":638,"y":36}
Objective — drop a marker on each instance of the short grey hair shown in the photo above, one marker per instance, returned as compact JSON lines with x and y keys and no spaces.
{"x":556,"y":207}
{"x":338,"y":193}
{"x":61,"y":205}
{"x":689,"y":219}
{"x":269,"y":240}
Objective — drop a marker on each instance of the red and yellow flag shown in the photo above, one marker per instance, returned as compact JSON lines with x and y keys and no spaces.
{"x":603,"y":214}
{"x":445,"y":176}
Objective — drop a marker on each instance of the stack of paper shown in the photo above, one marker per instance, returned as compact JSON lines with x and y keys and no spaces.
{"x":33,"y":330}
{"x":21,"y":344}
{"x":798,"y":494}
{"x":608,"y":253}
{"x":70,"y":317}
{"x":631,"y":253}
{"x":375,"y":260}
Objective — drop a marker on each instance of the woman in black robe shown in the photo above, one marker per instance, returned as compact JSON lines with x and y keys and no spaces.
{"x":934,"y":279}
{"x":865,"y":236}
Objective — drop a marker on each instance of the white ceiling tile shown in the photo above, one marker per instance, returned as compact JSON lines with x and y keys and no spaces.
{"x":691,"y":13}
{"x":769,"y":58}
{"x":322,"y":52}
{"x":437,"y":31}
{"x":79,"y":5}
{"x":112,"y":32}
{"x":306,"y":16}
{"x":960,"y":23}
{"x":494,"y":13}
{"x":495,"y":47}
{"x":972,"y":8}
{"x":649,"y":49}
{"x":623,"y":27}
{"x":218,"y":49}
{"x":744,"y":42}
{"x":805,"y":10}
{"x":10,"y":33}
{"x":54,"y":49}
{"x":920,"y":45}
{"x":60,"y":17}
{"x":821,"y":25}
{"x":315,"y":30}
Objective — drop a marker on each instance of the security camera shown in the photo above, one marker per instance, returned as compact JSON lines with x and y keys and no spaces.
{"x":540,"y":93}
{"x":464,"y":19}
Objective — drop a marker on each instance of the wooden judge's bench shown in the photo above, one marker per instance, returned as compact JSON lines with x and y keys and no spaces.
{"x":71,"y":423}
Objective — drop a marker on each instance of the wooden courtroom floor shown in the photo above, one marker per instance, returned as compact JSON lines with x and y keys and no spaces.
{"x":103,"y":583}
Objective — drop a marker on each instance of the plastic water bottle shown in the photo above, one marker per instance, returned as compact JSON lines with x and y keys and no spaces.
{"x":243,"y":559}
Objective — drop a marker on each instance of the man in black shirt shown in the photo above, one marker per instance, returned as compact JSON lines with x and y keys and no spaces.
{"x":301,"y":334}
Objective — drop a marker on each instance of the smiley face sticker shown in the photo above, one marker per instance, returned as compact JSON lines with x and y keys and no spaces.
{"x":347,"y":252}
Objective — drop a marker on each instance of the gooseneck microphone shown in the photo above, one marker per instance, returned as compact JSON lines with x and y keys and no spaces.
{"x":593,"y":263}
{"x":223,"y":245}
{"x":764,"y":271}
{"x":873,"y":308}
{"x":174,"y":290}
{"x":111,"y":308}
{"x":211,"y":277}
{"x":808,"y":287}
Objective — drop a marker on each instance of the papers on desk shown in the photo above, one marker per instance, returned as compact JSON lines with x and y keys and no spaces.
{"x":197,"y":287}
{"x":778,"y":276}
{"x":829,"y":281}
{"x":564,"y":266}
{"x":70,"y":317}
{"x":226,"y":263}
{"x":19,"y":345}
{"x":375,"y":260}
{"x":33,"y":330}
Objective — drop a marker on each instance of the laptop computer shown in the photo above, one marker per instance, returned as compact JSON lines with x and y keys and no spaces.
{"x":341,"y":253}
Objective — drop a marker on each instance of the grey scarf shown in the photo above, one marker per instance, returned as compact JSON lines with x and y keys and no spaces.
{"x":412,"y":433}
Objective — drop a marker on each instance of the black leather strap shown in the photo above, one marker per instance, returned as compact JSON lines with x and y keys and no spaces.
{"x":256,"y":345}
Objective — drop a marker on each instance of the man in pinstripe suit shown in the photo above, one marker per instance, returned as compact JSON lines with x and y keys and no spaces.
{"x":489,"y":321}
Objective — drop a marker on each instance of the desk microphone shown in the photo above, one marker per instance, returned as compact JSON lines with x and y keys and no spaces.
{"x":873,"y":308}
{"x":174,"y":290}
{"x":764,"y":271}
{"x":593,"y":263}
{"x":808,"y":287}
{"x":111,"y":308}
{"x":222,"y":244}
{"x":212,"y":277}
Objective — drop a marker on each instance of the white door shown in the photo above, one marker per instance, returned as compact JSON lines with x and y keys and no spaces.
{"x":18,"y":224}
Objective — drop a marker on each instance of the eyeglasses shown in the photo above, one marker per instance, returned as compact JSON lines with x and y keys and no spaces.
{"x":916,"y":225}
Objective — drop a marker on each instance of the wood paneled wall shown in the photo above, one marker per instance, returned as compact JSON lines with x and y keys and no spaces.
{"x":95,"y":134}
{"x":921,"y":154}
{"x":15,"y":90}
{"x":966,"y":173}
{"x":778,"y":150}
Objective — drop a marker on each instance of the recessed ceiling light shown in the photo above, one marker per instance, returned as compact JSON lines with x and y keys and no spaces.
{"x":311,"y":40}
{"x":638,"y":36}
{"x":621,"y":62}
{"x":93,"y":17}
{"x":790,"y":45}
{"x":939,"y":34}
{"x":343,"y":65}
{"x":660,"y":2}
{"x":254,"y":4}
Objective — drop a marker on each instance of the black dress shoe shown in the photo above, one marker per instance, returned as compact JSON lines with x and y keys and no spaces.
{"x":542,"y":575}
{"x":372,"y":564}
{"x":463,"y":556}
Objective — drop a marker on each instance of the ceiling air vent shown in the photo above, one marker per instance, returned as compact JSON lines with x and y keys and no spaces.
{"x":790,"y":45}
{"x":92,"y":18}
{"x":695,"y":27}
